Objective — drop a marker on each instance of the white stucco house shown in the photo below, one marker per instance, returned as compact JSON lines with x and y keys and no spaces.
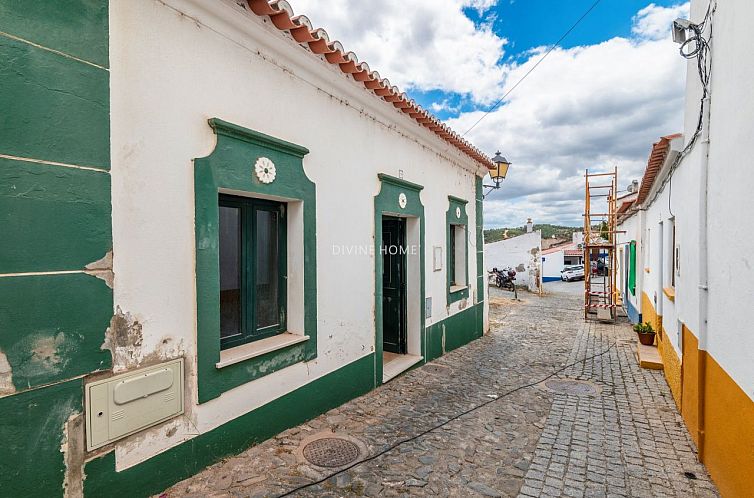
{"x":686,"y":245}
{"x":520,"y":253}
{"x":556,"y":258}
{"x":288,"y":231}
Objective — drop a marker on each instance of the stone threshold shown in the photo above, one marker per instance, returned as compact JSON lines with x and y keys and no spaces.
{"x":395,"y":364}
{"x":649,"y":356}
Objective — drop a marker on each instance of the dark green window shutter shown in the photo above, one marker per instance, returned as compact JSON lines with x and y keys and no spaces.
{"x":632,"y":267}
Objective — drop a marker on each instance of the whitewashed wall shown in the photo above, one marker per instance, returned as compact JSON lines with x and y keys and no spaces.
{"x":731,"y":177}
{"x":730,"y":226}
{"x":553,"y":264}
{"x":522,"y":253}
{"x":176,"y":64}
{"x":658,"y":219}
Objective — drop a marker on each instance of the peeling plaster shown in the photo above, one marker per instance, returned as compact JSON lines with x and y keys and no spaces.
{"x":534,"y":270}
{"x":443,"y":338}
{"x":102,"y":268}
{"x":73,"y":449}
{"x":6,"y":376}
{"x":123,"y":338}
{"x":45,"y":355}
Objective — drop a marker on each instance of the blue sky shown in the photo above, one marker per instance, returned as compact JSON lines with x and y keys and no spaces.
{"x":602,"y":97}
{"x":527,"y":24}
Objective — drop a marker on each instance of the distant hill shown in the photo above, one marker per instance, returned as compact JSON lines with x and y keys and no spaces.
{"x":560,"y":232}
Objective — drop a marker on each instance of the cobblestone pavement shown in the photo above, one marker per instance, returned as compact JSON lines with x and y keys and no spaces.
{"x":627,"y":440}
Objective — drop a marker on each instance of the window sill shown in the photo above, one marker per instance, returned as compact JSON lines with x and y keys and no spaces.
{"x":258,"y":348}
{"x":458,"y":288}
{"x":669,"y":292}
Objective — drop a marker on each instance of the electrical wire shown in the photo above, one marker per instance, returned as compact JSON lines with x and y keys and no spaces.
{"x":699,"y":51}
{"x":451,"y":419}
{"x":553,"y":47}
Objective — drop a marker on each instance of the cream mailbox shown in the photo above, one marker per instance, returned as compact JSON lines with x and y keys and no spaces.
{"x":127,"y":403}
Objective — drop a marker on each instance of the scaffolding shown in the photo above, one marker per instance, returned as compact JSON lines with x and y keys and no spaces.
{"x":600,"y":223}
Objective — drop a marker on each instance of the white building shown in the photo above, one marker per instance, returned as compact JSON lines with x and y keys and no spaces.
{"x":686,"y":265}
{"x":275,"y":216}
{"x":556,"y":258}
{"x":521,"y":253}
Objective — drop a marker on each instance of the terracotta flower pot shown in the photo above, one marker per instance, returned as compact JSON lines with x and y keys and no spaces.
{"x":647,"y":339}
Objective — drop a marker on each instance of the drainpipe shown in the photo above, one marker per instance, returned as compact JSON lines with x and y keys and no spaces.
{"x":703,"y":276}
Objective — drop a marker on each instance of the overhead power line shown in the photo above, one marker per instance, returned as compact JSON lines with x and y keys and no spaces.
{"x":553,"y":47}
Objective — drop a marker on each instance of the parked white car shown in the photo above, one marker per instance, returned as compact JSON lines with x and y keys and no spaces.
{"x":570,"y":273}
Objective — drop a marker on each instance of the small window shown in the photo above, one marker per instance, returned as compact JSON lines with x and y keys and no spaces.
{"x":457,"y":253}
{"x":252,"y":269}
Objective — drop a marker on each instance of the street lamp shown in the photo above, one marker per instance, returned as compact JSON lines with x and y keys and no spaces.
{"x":499,"y":173}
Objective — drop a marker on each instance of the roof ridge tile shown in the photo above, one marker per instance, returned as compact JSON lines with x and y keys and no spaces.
{"x":302,"y":31}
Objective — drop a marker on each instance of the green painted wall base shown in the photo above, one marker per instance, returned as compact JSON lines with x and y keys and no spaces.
{"x":31,"y":433}
{"x":185,"y":460}
{"x":459,"y":329}
{"x":334,"y":389}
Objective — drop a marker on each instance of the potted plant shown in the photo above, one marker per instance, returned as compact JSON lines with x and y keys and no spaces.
{"x":646,"y":333}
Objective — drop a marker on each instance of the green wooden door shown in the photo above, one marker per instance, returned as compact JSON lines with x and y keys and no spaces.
{"x":394,"y":285}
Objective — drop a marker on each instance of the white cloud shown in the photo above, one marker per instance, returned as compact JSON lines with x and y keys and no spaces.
{"x":481,"y":6}
{"x":653,"y":22}
{"x":443,"y":105}
{"x":417,"y":45}
{"x":593,"y":107}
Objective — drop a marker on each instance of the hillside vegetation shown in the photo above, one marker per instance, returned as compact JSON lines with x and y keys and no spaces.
{"x":548,"y":230}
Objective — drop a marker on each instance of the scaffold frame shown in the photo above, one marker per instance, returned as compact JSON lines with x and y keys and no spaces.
{"x":600,"y":242}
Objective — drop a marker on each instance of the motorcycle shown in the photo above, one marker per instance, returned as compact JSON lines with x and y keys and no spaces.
{"x":503,"y":279}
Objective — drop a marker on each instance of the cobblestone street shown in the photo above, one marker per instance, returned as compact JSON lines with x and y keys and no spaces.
{"x":619,"y":435}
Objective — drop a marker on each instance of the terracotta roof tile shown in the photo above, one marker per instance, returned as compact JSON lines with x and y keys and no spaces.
{"x":562,"y":247}
{"x":656,"y":159}
{"x":318,"y":41}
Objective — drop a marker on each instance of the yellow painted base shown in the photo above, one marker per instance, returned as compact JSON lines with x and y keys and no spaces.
{"x":728,"y":432}
{"x":689,"y":383}
{"x":649,"y":357}
{"x":672,"y":367}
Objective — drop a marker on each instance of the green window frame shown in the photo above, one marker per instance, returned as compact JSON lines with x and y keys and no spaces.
{"x":251,"y":304}
{"x":456,"y":219}
{"x":230,"y":169}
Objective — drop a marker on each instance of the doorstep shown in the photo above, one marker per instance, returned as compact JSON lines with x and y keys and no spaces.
{"x":398,"y":364}
{"x":649,"y":356}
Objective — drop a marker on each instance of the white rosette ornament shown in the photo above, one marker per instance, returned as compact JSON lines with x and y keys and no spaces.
{"x":265,"y":170}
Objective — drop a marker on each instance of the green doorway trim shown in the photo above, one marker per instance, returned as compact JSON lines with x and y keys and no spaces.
{"x":397,"y":197}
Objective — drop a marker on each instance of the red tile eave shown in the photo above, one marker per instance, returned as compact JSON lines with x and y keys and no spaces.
{"x":656,"y":159}
{"x":318,"y":41}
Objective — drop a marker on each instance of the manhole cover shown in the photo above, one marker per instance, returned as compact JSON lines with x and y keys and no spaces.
{"x":331,"y":452}
{"x":571,"y":386}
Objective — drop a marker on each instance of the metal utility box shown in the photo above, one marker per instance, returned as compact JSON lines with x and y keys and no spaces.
{"x":122,"y":405}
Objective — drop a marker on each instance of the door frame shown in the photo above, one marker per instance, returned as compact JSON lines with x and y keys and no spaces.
{"x":400,"y":198}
